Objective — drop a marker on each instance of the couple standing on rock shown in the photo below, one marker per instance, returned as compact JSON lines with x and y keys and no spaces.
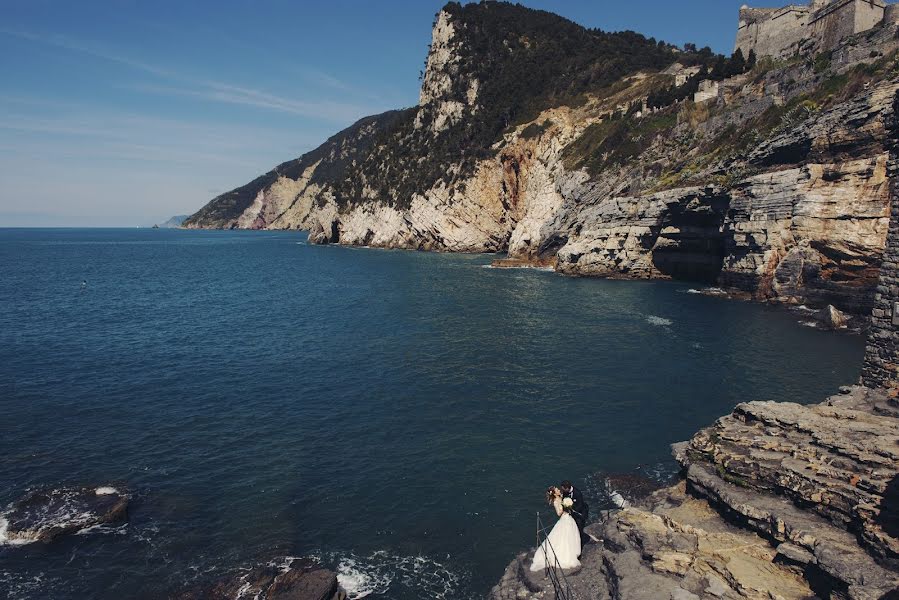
{"x":562,"y":547}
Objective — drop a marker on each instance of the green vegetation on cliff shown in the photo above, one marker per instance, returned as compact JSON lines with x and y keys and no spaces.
{"x":524,"y":62}
{"x":335,"y":155}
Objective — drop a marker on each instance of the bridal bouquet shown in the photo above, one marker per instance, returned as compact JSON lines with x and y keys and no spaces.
{"x":567,"y":504}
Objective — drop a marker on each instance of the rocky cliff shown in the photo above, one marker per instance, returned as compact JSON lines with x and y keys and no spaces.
{"x":777,"y":500}
{"x":539,"y":138}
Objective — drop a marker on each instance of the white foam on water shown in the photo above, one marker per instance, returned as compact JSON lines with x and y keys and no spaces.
{"x":694,"y":291}
{"x":106,"y":491}
{"x":811,"y":324}
{"x":4,"y":536}
{"x":658,"y":321}
{"x":242,"y":590}
{"x":618,"y":500}
{"x":383,"y":573}
{"x":359,"y":584}
{"x":104,"y":529}
{"x":525,"y":267}
{"x":663,"y":473}
{"x":19,"y":585}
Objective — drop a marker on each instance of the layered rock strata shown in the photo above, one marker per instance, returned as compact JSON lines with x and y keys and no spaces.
{"x":778,"y":500}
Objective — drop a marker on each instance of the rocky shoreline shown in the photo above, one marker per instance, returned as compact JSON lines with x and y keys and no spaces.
{"x":778,"y":500}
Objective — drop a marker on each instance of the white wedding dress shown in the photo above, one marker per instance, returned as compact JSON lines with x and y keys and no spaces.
{"x":563,"y":544}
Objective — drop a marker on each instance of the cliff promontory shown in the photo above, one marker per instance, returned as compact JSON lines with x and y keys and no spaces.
{"x":612,"y":155}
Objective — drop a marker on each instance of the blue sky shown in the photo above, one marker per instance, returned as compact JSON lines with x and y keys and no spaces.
{"x":124,"y":113}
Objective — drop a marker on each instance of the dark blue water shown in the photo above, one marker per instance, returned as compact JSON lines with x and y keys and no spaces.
{"x":396,"y":414}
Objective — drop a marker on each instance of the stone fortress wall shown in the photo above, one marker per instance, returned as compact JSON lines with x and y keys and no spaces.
{"x":816,"y":27}
{"x":771,"y":31}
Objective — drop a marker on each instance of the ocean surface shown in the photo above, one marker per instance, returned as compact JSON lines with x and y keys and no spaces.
{"x":396,"y":415}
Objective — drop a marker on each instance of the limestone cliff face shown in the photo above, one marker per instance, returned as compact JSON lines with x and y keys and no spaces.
{"x":443,"y":74}
{"x":778,"y":188}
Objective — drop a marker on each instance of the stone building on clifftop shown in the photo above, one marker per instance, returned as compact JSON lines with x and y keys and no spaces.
{"x":816,"y":27}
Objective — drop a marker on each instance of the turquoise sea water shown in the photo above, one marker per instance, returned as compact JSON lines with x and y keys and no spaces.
{"x":395,"y":414}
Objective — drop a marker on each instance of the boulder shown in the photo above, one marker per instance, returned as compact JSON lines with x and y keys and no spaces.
{"x":832,"y":318}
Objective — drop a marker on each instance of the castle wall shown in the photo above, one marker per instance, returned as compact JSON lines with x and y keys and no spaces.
{"x":843,"y":18}
{"x":775,"y":33}
{"x":783,"y":32}
{"x":868,"y":14}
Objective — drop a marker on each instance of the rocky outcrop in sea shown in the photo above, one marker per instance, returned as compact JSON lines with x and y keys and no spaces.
{"x":42,"y":515}
{"x":286,"y":578}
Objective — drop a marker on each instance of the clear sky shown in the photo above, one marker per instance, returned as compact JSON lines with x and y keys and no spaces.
{"x":124,"y":113}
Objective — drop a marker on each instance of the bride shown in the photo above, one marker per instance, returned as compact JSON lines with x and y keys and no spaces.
{"x":563,"y":544}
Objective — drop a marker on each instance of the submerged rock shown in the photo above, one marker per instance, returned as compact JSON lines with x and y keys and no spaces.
{"x":282,"y":579}
{"x":43,"y":515}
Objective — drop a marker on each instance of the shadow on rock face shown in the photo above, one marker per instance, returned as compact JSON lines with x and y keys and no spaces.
{"x":888,"y":519}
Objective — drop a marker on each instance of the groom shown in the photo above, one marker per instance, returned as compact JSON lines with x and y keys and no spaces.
{"x":580,"y":511}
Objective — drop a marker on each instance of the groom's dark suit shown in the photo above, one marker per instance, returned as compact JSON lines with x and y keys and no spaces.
{"x":580,"y":511}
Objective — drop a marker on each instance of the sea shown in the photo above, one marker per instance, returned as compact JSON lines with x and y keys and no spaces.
{"x":394,"y":415}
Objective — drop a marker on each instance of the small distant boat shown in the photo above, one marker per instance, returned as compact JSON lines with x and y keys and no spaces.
{"x":155,"y":226}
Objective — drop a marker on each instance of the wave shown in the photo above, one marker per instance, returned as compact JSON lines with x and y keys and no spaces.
{"x":386,"y":574}
{"x":104,"y":529}
{"x":803,"y":308}
{"x":21,"y":585}
{"x":5,"y":539}
{"x":709,"y":291}
{"x":520,"y":267}
{"x":658,"y":321}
